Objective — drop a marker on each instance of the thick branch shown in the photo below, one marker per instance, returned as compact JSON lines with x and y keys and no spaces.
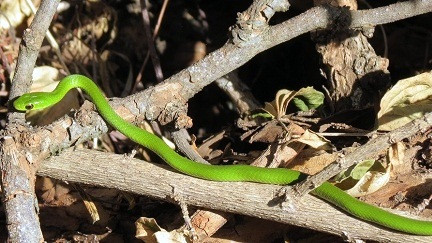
{"x":17,"y":171}
{"x":390,"y":13}
{"x":114,"y":171}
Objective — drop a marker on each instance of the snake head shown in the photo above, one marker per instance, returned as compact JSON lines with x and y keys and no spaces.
{"x":32,"y":101}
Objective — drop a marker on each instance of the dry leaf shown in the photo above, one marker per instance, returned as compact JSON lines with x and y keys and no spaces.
{"x":14,"y":13}
{"x":409,"y":99}
{"x":371,"y":182}
{"x":396,"y":153}
{"x":364,"y":178}
{"x":269,"y":133}
{"x":209,"y":148}
{"x":145,"y":229}
{"x":285,"y":153}
{"x":44,"y":79}
{"x":315,"y":141}
{"x":312,"y":161}
{"x":278,"y":107}
{"x":88,"y":203}
{"x":148,"y":230}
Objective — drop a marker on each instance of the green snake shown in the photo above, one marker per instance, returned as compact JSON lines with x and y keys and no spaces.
{"x":279,"y":176}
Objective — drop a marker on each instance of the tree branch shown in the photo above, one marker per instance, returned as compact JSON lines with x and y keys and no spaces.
{"x":157,"y":181}
{"x":17,"y":171}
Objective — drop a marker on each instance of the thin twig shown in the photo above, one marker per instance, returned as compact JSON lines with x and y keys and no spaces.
{"x":155,"y":33}
{"x":50,"y":39}
{"x":238,"y":92}
{"x":160,"y":18}
{"x":180,"y":139}
{"x":151,"y":47}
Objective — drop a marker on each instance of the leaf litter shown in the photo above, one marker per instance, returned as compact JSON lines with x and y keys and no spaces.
{"x":398,"y":178}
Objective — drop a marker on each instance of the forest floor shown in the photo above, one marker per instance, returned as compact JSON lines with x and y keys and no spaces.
{"x":106,"y":40}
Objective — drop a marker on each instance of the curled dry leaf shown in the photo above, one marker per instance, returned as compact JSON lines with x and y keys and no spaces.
{"x":148,"y":230}
{"x":44,"y":79}
{"x":364,"y":178}
{"x":396,"y":153}
{"x":315,"y":141}
{"x":278,"y":107}
{"x":409,"y":99}
{"x":396,"y":156}
{"x":371,"y":182}
{"x":14,"y":12}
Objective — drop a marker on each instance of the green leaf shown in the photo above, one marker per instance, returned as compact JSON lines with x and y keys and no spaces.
{"x":360,"y":169}
{"x":355,"y":172}
{"x":308,"y":98}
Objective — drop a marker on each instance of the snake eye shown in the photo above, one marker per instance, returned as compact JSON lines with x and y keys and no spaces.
{"x":29,"y":106}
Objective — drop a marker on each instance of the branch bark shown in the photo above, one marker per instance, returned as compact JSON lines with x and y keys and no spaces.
{"x":157,"y":181}
{"x":18,"y":172}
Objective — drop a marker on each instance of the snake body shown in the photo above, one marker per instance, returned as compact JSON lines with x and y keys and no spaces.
{"x":280,"y":176}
